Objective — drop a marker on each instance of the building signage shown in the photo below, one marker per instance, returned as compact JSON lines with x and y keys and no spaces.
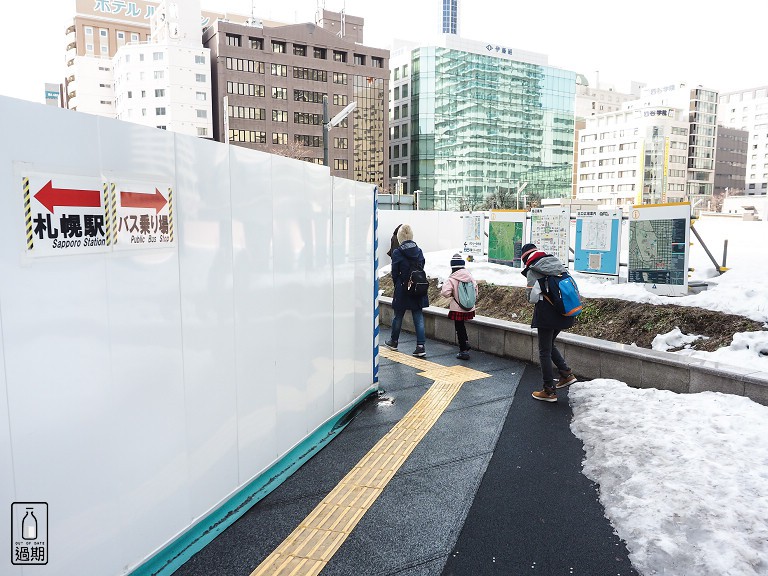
{"x":144,"y":214}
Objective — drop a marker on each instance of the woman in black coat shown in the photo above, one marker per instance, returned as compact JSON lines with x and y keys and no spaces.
{"x":406,"y":257}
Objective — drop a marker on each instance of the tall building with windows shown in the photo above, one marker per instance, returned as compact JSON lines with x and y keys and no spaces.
{"x":701,"y":104}
{"x":731,"y":161}
{"x":451,"y":17}
{"x":633,"y":156}
{"x":471,"y":119}
{"x":269,"y":87}
{"x":748,"y":110}
{"x":166,"y":83}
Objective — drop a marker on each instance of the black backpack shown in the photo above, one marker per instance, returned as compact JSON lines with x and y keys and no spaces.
{"x":418,"y":285}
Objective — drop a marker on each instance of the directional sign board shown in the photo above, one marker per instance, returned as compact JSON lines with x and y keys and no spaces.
{"x":64,"y":214}
{"x":76,"y":214}
{"x":474,"y":233}
{"x":143,"y":214}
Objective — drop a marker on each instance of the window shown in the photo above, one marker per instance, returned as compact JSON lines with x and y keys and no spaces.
{"x":404,"y":111}
{"x":199,"y":59}
{"x":159,"y":74}
{"x":404,"y":88}
{"x":279,"y":116}
{"x":340,"y":164}
{"x":104,"y":49}
{"x":279,"y":93}
{"x":143,"y":93}
{"x":234,"y":40}
{"x":134,"y":36}
{"x":320,"y":53}
{"x":360,"y":59}
{"x":340,"y":99}
{"x":405,"y":130}
{"x":256,"y":43}
{"x":339,"y":78}
{"x":201,"y":96}
{"x":404,"y":149}
{"x":377,"y":62}
{"x":279,"y":70}
{"x":88,"y":31}
{"x":278,"y":47}
{"x":202,"y":131}
{"x":200,"y":77}
{"x":247,"y":112}
{"x":300,"y":49}
{"x":396,"y":132}
{"x":102,"y":32}
{"x":160,"y":111}
{"x":141,"y":57}
{"x":405,"y":70}
{"x":397,"y":92}
{"x":341,"y":143}
{"x":279,"y":138}
{"x":159,"y":92}
{"x":130,"y":94}
{"x":339,"y":56}
{"x":202,"y":113}
{"x":157,"y":56}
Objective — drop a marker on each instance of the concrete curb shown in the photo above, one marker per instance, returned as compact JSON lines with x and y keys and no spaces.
{"x":593,"y":358}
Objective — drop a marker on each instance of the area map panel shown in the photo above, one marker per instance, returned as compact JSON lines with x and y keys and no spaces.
{"x":657,"y":251}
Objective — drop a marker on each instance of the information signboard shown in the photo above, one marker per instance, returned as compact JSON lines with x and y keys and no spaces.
{"x":658,"y":247}
{"x":474,"y":233}
{"x":505,"y":237}
{"x":550,"y":230}
{"x":598,"y":242}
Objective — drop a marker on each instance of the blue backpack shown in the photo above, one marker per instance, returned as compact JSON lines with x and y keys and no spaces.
{"x":563,"y":293}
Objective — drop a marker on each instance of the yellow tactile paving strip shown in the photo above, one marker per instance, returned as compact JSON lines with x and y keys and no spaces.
{"x":309,"y":547}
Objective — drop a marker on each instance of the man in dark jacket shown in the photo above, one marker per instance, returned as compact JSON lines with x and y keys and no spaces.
{"x":547,"y":321}
{"x":406,"y":257}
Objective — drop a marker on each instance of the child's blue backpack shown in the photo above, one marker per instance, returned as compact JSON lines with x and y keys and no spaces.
{"x":563,"y":293}
{"x":466,"y":295}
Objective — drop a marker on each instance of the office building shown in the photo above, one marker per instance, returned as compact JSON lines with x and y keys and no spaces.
{"x":271,"y":81}
{"x":471,"y":119}
{"x":450,"y":16}
{"x":731,"y":161}
{"x":748,"y":110}
{"x":634,"y":156}
{"x":701,"y":105}
{"x":593,"y":100}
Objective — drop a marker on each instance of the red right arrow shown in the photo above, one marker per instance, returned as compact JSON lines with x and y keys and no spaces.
{"x":50,"y":197}
{"x":142,"y":200}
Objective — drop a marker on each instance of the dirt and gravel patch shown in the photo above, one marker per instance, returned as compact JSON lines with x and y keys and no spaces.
{"x":610,"y":319}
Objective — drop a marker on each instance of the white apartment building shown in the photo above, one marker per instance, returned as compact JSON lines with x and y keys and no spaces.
{"x":166,"y":83}
{"x":594,"y":100}
{"x":633,"y":156}
{"x":748,"y":110}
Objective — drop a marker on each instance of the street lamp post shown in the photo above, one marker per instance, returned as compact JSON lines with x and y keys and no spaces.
{"x":335,"y":121}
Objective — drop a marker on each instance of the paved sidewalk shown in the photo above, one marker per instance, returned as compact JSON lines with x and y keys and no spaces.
{"x":494,"y":487}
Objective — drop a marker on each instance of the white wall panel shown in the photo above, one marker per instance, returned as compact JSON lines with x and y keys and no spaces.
{"x":145,"y":384}
{"x":256,"y":346}
{"x":55,"y":338}
{"x":433,"y":230}
{"x":146,"y":345}
{"x":345,"y":334}
{"x":204,"y":215}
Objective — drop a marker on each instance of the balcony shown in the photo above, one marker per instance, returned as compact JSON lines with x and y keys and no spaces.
{"x":71,"y":46}
{"x":70,"y":29}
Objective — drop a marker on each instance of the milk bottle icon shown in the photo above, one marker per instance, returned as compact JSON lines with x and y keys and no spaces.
{"x":29,"y":525}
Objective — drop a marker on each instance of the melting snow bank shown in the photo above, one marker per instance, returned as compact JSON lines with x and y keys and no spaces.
{"x":683,"y":477}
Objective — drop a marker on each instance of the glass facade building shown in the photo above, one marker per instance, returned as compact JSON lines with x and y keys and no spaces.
{"x":450,"y":16}
{"x":480,"y":124}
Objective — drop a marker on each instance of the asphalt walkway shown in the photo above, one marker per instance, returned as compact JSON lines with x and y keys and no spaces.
{"x":482,"y":479}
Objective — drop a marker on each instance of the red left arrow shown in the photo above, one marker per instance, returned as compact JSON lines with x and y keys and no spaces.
{"x":50,"y":197}
{"x":142,"y":200}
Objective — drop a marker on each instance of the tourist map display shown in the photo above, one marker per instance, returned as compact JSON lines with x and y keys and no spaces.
{"x":658,"y":247}
{"x":598,"y":239}
{"x":505,"y":237}
{"x":550,"y":230}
